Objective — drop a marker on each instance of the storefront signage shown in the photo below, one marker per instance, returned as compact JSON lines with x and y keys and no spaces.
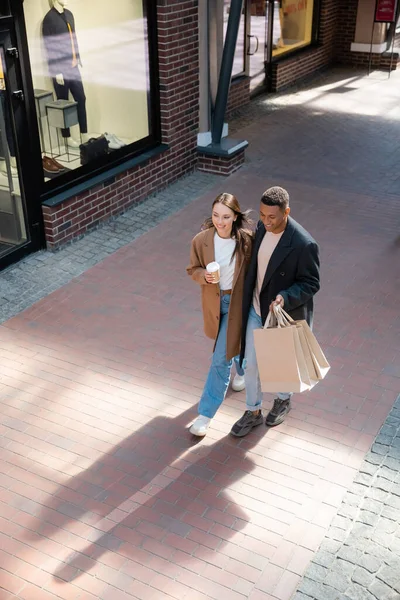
{"x":385,"y":11}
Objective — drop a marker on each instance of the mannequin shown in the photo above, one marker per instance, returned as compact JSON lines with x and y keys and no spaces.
{"x":63,"y":58}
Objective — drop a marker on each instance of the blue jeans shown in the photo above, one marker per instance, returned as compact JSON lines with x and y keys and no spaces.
{"x":251,"y":377}
{"x":220,"y":370}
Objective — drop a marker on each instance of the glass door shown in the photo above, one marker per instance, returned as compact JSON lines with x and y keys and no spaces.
{"x":18,"y":226}
{"x":264,"y":37}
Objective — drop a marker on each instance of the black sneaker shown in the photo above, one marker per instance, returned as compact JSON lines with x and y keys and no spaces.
{"x":246,"y":423}
{"x":278,"y":412}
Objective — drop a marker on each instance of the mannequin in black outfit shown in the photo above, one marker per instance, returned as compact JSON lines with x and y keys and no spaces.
{"x":63,"y":59}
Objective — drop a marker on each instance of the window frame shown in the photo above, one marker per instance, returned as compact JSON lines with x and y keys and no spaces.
{"x":315,"y":33}
{"x":97,"y":167}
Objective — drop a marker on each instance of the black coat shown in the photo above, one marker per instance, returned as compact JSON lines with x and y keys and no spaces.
{"x":57,"y":41}
{"x":293,"y":272}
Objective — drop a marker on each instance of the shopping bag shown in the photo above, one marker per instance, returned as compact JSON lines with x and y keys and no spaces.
{"x":321,"y":364}
{"x":280,"y":356}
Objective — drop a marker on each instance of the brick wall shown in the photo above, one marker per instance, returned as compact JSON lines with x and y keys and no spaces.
{"x":313,"y":59}
{"x":179,"y":90}
{"x":345,"y":35}
{"x":221,"y":165}
{"x":346,"y":31}
{"x":239,"y":94}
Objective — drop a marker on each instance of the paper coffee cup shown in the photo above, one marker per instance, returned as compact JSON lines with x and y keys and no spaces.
{"x":213,"y":267}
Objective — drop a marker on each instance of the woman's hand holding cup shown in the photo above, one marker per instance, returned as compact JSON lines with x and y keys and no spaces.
{"x":212,"y":273}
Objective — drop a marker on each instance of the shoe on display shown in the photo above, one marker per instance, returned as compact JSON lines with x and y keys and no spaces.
{"x":278,"y":412}
{"x":113,"y":141}
{"x":246,"y":423}
{"x":49,"y":165}
{"x":200,"y":426}
{"x":71,"y":143}
{"x":238,"y":383}
{"x":52,"y":162}
{"x":57,"y":164}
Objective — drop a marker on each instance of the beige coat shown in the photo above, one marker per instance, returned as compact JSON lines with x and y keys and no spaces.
{"x":202,"y":253}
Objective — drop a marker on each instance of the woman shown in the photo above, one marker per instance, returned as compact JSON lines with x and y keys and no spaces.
{"x":226,"y":238}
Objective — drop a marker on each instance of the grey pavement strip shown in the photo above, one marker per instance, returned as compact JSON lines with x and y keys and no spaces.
{"x":360,"y":556}
{"x":39,"y":274}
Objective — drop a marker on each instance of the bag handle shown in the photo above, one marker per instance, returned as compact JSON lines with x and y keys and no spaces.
{"x":282,"y":314}
{"x":271,"y":321}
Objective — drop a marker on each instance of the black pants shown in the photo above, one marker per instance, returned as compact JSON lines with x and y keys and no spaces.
{"x":73,"y":83}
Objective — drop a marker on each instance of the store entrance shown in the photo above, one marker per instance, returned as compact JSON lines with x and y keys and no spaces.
{"x":19,"y":227}
{"x":260,"y":40}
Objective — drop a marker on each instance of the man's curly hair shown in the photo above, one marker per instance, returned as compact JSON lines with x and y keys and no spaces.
{"x":276,"y":196}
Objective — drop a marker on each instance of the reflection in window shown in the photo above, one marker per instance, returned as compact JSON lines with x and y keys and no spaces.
{"x":238,"y":63}
{"x":90,"y":72}
{"x":293,"y":24}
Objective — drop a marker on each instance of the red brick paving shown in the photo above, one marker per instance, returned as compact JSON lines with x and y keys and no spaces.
{"x":104,"y":495}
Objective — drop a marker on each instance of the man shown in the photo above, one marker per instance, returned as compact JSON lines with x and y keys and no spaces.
{"x":283,"y":271}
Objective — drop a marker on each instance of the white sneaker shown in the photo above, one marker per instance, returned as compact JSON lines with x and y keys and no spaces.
{"x":238,"y":383}
{"x":71,"y":143}
{"x":113,"y":141}
{"x":200,"y":426}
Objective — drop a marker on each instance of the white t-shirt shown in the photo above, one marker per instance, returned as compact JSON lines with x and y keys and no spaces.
{"x":268,"y":245}
{"x":223,"y":249}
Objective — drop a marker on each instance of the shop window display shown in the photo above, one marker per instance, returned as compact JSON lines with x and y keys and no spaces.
{"x":89,"y":61}
{"x":293,"y":25}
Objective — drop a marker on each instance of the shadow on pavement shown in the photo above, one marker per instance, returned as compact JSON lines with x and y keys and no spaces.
{"x":158,"y":485}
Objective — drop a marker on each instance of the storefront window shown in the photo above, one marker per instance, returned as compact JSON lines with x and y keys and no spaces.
{"x":293,"y":25}
{"x":90,"y":69}
{"x":238,"y":63}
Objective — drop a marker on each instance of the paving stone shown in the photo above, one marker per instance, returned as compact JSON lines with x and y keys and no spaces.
{"x":393,"y":501}
{"x":390,"y":576}
{"x":343,"y":566}
{"x":391,"y":513}
{"x":363,"y":479}
{"x":373,"y":506}
{"x":385,"y":440}
{"x":317,"y":590}
{"x":349,"y":554}
{"x":387,"y":525}
{"x":379,"y":449}
{"x":373,"y":459}
{"x":369,"y":468}
{"x":376,"y":494}
{"x":380,"y":590}
{"x":368,"y":518}
{"x":337,"y":580}
{"x":362,"y":577}
{"x":388,"y":430}
{"x":325,"y":559}
{"x":387,"y":473}
{"x":380,"y":553}
{"x":358,"y":592}
{"x":352,"y":499}
{"x":382,"y":484}
{"x":369,"y":563}
{"x":330,"y":546}
{"x":316,"y":572}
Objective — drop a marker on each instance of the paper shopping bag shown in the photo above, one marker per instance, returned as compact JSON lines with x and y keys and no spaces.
{"x":280,"y":359}
{"x":320,"y":362}
{"x":321,"y":365}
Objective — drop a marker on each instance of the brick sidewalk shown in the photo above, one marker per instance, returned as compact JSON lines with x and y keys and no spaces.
{"x":103,"y":494}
